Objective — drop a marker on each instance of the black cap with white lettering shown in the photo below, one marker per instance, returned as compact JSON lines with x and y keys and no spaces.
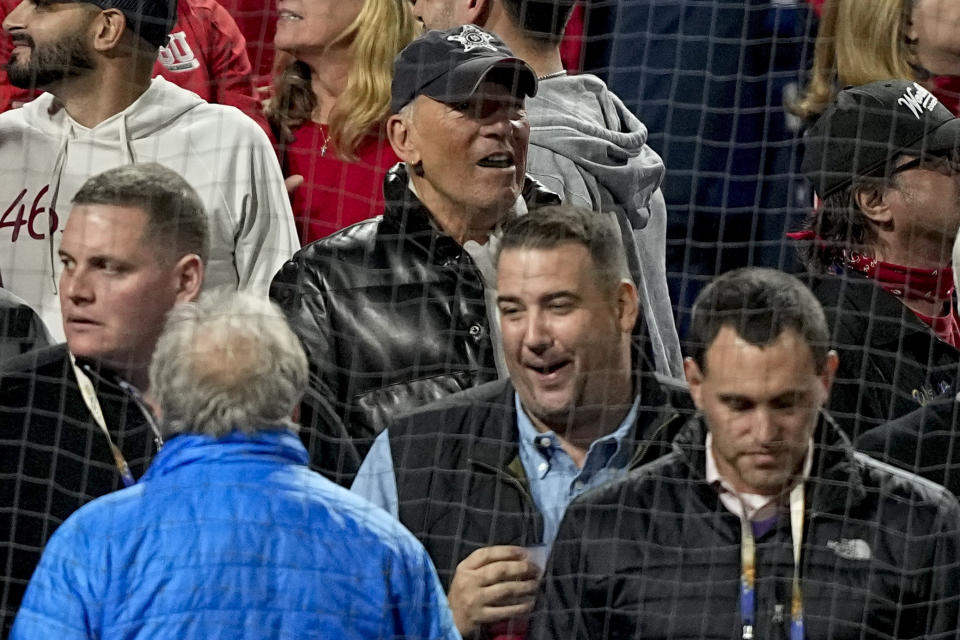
{"x":449,"y":66}
{"x":866,"y":128}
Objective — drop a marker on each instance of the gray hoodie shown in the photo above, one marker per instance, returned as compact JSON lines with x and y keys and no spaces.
{"x":221,"y":152}
{"x":586,"y":145}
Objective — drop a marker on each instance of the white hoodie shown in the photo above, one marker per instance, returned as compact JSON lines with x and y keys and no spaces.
{"x":45,"y":157}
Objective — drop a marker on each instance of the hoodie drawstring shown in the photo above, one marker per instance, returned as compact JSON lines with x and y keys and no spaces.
{"x":55,"y":180}
{"x":125,"y":141}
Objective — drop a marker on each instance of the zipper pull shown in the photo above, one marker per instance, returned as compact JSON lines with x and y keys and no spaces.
{"x":778,"y":614}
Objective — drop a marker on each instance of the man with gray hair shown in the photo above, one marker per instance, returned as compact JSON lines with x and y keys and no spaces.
{"x":230,"y":533}
{"x":584,"y":144}
{"x":397,"y":311}
{"x":72,"y":426}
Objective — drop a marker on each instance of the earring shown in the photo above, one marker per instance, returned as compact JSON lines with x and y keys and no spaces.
{"x":418,"y":168}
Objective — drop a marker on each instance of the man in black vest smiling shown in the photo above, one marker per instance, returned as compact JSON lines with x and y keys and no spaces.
{"x":482,"y":478}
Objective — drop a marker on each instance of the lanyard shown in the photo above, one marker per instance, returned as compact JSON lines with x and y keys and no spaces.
{"x":93,"y":404}
{"x":748,"y":570}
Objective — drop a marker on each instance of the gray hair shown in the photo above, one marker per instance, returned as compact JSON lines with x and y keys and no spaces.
{"x":407,"y":110}
{"x":551,"y":226}
{"x":227,"y":362}
{"x":176,"y":219}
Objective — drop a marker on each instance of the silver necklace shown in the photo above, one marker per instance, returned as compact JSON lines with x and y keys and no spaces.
{"x":326,"y":140}
{"x":555,"y":74}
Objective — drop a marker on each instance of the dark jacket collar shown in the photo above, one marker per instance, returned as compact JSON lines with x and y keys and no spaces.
{"x":102,"y":376}
{"x":408,"y":216}
{"x":855,"y":295}
{"x":835,"y":479}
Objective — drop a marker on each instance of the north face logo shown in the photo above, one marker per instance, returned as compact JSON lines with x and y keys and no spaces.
{"x":850,"y":548}
{"x":177,"y":55}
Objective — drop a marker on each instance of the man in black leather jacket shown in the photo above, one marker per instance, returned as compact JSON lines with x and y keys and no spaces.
{"x":393,"y":311}
{"x":763,"y":522}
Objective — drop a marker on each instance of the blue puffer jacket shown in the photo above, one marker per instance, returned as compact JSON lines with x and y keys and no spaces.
{"x":233,"y":538}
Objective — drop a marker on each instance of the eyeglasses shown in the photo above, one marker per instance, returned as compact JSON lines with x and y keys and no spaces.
{"x":946,"y":165}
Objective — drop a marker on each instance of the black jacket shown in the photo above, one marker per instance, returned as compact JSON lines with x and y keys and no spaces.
{"x":460,"y":482}
{"x":392,"y":315}
{"x":21,"y":329}
{"x":54,"y":458}
{"x":924,"y":442}
{"x":891,"y":363}
{"x":656,"y":555}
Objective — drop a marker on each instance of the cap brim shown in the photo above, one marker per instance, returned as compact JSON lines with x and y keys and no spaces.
{"x":461,"y":83}
{"x":945,"y":138}
{"x":939,"y":141}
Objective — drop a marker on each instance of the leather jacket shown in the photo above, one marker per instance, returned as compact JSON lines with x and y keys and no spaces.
{"x":392,"y":315}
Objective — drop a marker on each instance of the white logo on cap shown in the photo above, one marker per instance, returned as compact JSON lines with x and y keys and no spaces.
{"x":473,"y":38}
{"x":916,"y":98}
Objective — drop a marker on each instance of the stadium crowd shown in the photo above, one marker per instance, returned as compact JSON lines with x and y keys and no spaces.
{"x":381,"y":345}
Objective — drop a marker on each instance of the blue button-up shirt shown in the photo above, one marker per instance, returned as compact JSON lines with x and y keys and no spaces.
{"x":554,"y":478}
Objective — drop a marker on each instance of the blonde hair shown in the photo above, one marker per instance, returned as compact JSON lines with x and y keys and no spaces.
{"x":380,"y":31}
{"x":859,"y":41}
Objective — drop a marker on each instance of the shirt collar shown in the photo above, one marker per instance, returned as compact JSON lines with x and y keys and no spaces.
{"x":750,"y":505}
{"x":543,"y":441}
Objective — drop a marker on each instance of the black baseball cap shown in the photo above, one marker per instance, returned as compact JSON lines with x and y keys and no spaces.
{"x":449,"y":66}
{"x":152,"y":20}
{"x":866,"y":128}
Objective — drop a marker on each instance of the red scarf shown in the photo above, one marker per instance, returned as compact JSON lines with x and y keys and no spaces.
{"x":931,"y":285}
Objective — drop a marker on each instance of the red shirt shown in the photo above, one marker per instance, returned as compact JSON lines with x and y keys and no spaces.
{"x":205,"y":54}
{"x":257,"y":21}
{"x":571,"y":47}
{"x":335,"y":193}
{"x":947,"y":91}
{"x":928,"y":285}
